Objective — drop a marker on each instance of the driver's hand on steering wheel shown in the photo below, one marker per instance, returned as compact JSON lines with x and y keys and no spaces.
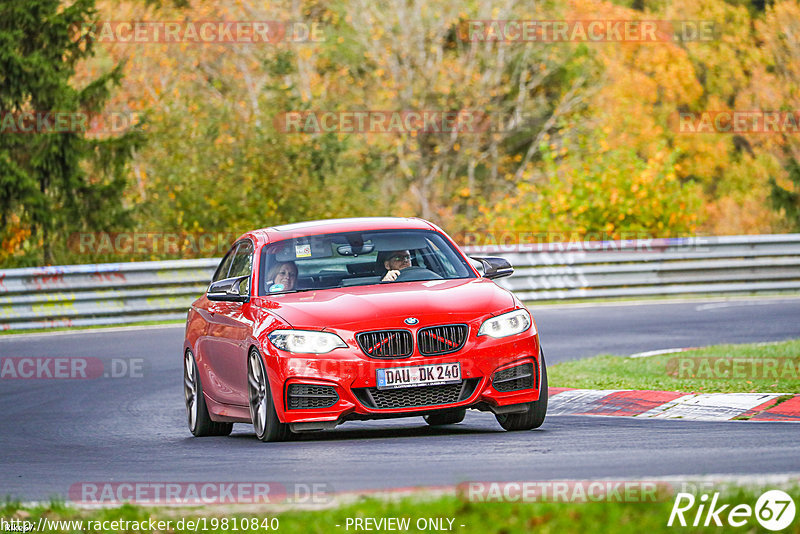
{"x":391,"y":276}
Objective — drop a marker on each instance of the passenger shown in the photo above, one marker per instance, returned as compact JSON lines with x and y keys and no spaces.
{"x":393,"y":262}
{"x":283,"y":274}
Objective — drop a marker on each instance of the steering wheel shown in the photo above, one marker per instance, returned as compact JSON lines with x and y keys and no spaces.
{"x":416,"y":273}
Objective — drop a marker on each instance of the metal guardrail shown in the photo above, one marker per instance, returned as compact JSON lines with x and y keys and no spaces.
{"x":651,"y":267}
{"x":118,"y":293}
{"x":110,"y":293}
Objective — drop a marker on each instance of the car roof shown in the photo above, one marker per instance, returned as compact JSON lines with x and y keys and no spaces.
{"x":326,"y":226}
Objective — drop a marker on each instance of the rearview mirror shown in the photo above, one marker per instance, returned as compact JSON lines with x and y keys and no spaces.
{"x":355,"y":250}
{"x":230,"y":289}
{"x":492,"y":267}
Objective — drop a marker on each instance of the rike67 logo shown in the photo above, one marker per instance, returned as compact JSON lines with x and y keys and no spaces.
{"x":774,"y":510}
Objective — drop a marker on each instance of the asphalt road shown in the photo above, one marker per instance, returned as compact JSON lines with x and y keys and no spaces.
{"x":58,"y":433}
{"x":570,"y":332}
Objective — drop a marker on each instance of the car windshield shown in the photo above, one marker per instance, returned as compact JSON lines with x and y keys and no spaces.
{"x":357,"y":259}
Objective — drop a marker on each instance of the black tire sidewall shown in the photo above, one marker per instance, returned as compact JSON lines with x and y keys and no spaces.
{"x":536,"y":411}
{"x":274,"y":430}
{"x":204,"y":425}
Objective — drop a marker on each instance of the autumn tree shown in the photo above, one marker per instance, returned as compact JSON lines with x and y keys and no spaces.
{"x":777,"y":83}
{"x":419,"y":55}
{"x":581,"y":134}
{"x":56,"y":181}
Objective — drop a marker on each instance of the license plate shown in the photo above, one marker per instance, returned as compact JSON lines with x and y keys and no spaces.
{"x":419,"y":375}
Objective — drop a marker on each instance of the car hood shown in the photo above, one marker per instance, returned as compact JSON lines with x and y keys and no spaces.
{"x":377,"y":305}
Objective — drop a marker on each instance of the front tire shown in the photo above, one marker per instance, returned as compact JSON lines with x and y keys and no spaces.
{"x":262,"y":408}
{"x":445,"y":418}
{"x":200,"y":423}
{"x":534,"y":416}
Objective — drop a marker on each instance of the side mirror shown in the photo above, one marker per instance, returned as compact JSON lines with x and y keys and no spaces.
{"x":230,"y":289}
{"x":492,"y":267}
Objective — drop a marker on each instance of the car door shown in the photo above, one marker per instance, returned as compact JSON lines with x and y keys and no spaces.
{"x":207,"y":310}
{"x":228,"y":334}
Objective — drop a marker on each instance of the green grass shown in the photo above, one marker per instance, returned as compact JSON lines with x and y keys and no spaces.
{"x":691,"y":371}
{"x":503,"y":518}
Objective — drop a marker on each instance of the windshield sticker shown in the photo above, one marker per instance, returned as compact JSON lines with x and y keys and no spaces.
{"x":302,"y":251}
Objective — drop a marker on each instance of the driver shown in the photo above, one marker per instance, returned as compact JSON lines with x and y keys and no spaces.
{"x":394,"y":262}
{"x":283,"y":276}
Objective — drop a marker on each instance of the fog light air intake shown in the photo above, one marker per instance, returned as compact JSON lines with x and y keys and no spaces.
{"x":515,"y":378}
{"x":311,"y":396}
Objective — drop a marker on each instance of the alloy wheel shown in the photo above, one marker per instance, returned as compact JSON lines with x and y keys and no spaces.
{"x":257,"y":393}
{"x":190,"y":389}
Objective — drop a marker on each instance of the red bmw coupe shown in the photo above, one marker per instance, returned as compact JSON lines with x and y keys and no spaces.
{"x":306,"y":326}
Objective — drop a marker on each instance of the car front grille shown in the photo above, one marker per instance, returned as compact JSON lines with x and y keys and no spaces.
{"x":387,"y":399}
{"x":444,"y":339}
{"x":309,"y":396}
{"x":514,"y":378}
{"x":386,"y":344}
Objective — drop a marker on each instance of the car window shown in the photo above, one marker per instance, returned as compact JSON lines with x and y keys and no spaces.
{"x":224,"y":266}
{"x":439,"y":261}
{"x":358,"y":258}
{"x":242,"y":263}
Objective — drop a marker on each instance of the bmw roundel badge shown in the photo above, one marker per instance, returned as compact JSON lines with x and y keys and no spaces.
{"x":411,"y":321}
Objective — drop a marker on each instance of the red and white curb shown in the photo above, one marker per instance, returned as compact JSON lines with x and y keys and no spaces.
{"x":674,"y":405}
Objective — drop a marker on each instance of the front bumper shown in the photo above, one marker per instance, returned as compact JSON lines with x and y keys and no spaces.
{"x":353,"y":377}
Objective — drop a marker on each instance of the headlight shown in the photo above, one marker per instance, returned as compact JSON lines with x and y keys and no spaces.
{"x":507,"y":324}
{"x":305,"y":341}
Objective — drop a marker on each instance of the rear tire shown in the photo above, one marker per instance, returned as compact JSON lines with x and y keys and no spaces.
{"x":446,"y":418}
{"x":262,"y":408}
{"x":200,"y":423}
{"x":534,"y":416}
